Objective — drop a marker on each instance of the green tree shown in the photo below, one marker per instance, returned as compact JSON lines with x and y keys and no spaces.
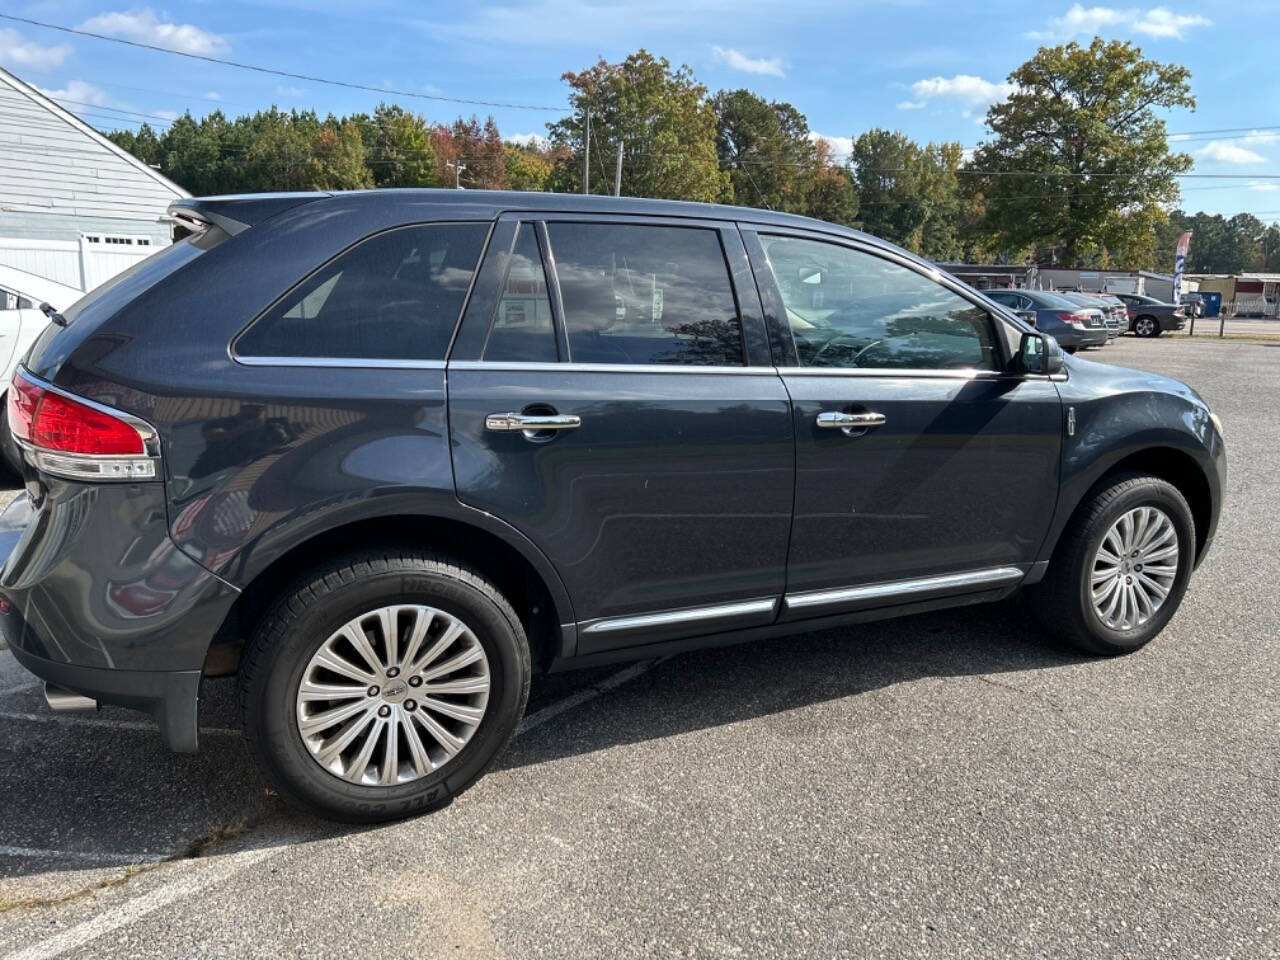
{"x":766,"y":150}
{"x":1078,"y":149}
{"x":908,"y":194}
{"x":528,"y":168}
{"x":661,"y":118}
{"x":337,"y":158}
{"x":397,"y":147}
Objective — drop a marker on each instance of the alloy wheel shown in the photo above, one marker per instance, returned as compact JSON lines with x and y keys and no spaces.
{"x":1134,"y":568}
{"x":393,"y":695}
{"x":1144,"y":326}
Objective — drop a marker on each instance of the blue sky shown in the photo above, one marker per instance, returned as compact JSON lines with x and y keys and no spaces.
{"x":927,"y":68}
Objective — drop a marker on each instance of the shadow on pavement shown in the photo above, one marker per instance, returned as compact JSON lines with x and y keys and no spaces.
{"x":112,"y":793}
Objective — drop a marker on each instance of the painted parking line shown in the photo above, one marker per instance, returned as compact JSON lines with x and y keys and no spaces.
{"x":224,"y":869}
{"x":88,"y":856}
{"x":135,"y":909}
{"x":72,"y":720}
{"x":553,"y":710}
{"x":21,"y":687}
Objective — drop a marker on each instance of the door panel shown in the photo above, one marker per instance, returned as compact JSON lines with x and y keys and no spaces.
{"x":931,"y":464}
{"x":962,"y":475}
{"x":665,"y":506}
{"x":675,"y":490}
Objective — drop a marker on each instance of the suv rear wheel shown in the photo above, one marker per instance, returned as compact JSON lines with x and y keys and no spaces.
{"x":1122,"y":567}
{"x":384,"y":685}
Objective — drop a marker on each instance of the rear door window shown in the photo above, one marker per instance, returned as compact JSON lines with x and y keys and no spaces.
{"x":394,"y":296}
{"x":646,"y":294}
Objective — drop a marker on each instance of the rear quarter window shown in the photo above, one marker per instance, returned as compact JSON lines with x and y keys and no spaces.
{"x":396,"y":295}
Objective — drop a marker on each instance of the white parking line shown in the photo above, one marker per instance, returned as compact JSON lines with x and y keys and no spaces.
{"x":553,"y":710}
{"x":86,"y":721}
{"x":92,"y":856}
{"x":224,"y":868}
{"x":139,"y":907}
{"x":20,"y":687}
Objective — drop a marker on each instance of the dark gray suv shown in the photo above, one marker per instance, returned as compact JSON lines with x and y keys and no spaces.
{"x":385,"y":454}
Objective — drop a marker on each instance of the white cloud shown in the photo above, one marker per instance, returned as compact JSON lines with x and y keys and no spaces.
{"x":1226,"y":152}
{"x":213,"y":95}
{"x":912,"y":105}
{"x":841,"y":146}
{"x":737,"y":60}
{"x":526,"y":139}
{"x":1259,"y":138}
{"x":973,"y":93}
{"x":289,"y":93}
{"x":80,"y":93}
{"x":22,"y":54}
{"x":145,"y":26}
{"x":1264,"y":187}
{"x":1158,"y":22}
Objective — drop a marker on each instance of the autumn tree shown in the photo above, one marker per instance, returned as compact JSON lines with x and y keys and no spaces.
{"x":766,"y":150}
{"x":1078,"y":150}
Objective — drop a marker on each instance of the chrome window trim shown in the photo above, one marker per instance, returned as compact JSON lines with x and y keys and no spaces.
{"x":520,"y":366}
{"x":721,"y":611}
{"x":368,"y":363}
{"x":901,"y":588}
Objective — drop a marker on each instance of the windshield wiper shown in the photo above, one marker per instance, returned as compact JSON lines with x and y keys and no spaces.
{"x":53,"y":315}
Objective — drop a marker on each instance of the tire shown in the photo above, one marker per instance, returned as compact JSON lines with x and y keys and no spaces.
{"x":1146,"y":326}
{"x":10,"y":458}
{"x":1063,"y":601}
{"x":311,"y":614}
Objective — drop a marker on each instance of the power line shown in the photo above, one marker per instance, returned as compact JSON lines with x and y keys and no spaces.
{"x":308,"y":78}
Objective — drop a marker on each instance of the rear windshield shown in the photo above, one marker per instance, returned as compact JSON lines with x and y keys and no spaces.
{"x":55,"y":343}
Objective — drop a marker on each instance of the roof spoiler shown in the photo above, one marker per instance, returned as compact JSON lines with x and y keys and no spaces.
{"x":235,"y":213}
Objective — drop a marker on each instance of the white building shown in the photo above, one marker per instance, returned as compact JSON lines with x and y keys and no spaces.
{"x":75,"y":209}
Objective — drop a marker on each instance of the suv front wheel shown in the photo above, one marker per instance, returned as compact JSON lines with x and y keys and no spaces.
{"x":384,"y":685}
{"x":1122,"y":566}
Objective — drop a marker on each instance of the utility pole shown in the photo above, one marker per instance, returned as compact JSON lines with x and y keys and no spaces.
{"x":617,"y":173}
{"x":586,"y":156}
{"x":457,"y":169}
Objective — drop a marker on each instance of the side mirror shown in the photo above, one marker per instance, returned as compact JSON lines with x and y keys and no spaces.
{"x":1039,"y":353}
{"x":1027,"y":316}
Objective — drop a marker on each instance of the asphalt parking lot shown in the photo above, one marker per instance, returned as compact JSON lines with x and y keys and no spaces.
{"x":947,"y":785}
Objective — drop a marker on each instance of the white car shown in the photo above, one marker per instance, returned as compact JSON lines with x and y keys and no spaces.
{"x":21,"y":321}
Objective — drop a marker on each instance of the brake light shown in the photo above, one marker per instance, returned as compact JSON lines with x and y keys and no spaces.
{"x":69,"y":437}
{"x":1075,"y":319}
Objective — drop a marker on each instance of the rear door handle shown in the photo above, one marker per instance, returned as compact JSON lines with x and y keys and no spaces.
{"x":833,"y":420}
{"x":511,"y":422}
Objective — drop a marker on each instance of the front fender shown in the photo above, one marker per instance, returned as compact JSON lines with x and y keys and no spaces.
{"x":1120,"y":414}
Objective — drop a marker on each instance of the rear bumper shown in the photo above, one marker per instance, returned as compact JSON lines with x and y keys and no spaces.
{"x":172,"y":698}
{"x":102,"y":602}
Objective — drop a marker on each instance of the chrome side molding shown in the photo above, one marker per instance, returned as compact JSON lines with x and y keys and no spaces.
{"x":990,"y":576}
{"x":673,"y":618}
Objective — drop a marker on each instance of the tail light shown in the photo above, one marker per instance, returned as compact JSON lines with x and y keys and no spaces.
{"x":1075,"y":319}
{"x":71,"y":437}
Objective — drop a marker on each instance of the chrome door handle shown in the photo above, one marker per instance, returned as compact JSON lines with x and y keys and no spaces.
{"x":511,"y":422}
{"x":833,"y":420}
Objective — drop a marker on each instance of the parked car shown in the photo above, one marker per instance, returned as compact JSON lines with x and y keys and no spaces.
{"x":1149,"y":317}
{"x":1110,"y":317}
{"x":384,"y":454}
{"x":1073,"y":326}
{"x":21,"y":320}
{"x":1193,"y":304}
